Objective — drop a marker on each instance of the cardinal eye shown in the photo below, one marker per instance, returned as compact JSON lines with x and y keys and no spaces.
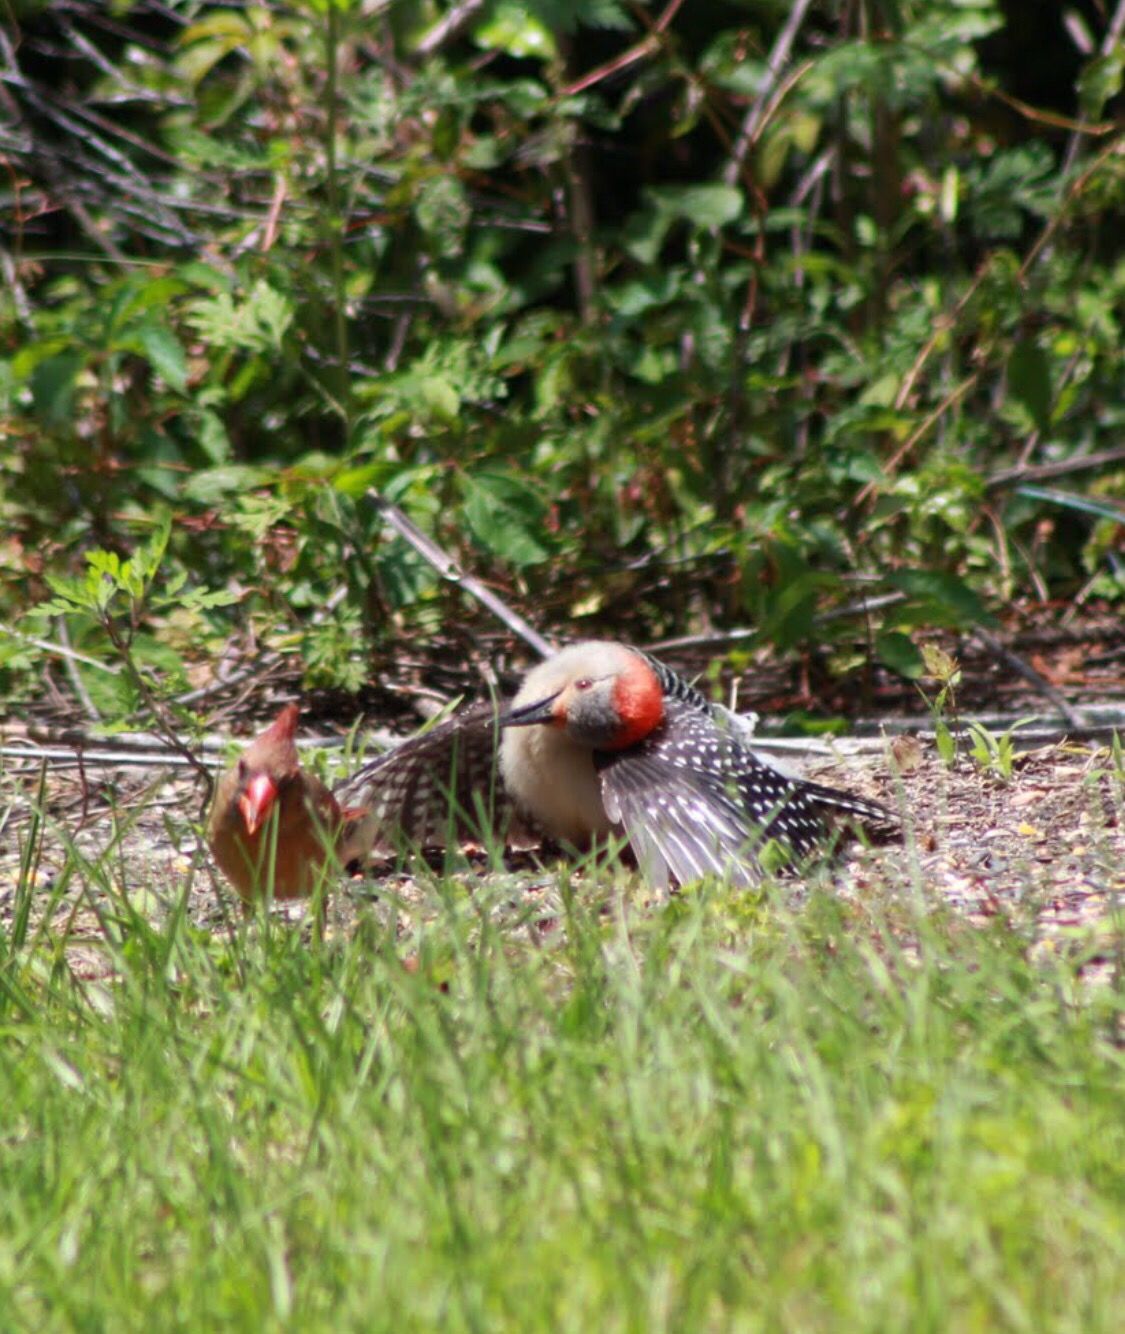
{"x":584,"y":684}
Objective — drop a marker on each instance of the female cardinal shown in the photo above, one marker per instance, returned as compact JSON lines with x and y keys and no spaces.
{"x":268,"y":778}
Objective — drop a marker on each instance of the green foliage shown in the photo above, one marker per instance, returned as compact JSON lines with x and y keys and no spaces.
{"x":571,"y":306}
{"x":995,"y":754}
{"x":943,"y":669}
{"x":723,"y":1115}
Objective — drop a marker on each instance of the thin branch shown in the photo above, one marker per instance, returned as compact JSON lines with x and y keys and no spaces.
{"x":163,"y":722}
{"x":751,"y":122}
{"x":647,"y":46}
{"x":61,"y":758}
{"x":74,"y":676}
{"x":61,"y":650}
{"x":449,"y":28}
{"x":447,"y":566}
{"x":953,"y":397}
{"x":1042,"y":472}
{"x":1109,"y":41}
{"x":1074,"y":717}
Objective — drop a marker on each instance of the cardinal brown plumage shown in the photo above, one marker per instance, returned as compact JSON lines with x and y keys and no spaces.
{"x":266,"y":786}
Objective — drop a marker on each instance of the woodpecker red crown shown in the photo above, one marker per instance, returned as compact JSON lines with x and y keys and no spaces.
{"x":639,"y":700}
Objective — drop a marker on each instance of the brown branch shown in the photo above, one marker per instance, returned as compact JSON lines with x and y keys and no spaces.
{"x":944,"y":324}
{"x":163,"y":722}
{"x":1042,"y":472}
{"x":647,"y":46}
{"x":1074,"y":717}
{"x":954,"y":396}
{"x":449,"y":28}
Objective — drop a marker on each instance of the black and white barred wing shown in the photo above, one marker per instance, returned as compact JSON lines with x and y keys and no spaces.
{"x":432,"y":790}
{"x":679,"y":827}
{"x":694,"y":801}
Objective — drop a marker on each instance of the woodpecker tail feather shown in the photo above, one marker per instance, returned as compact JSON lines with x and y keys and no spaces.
{"x":836,"y":807}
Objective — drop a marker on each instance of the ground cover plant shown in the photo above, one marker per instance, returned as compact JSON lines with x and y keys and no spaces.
{"x":657,"y":316}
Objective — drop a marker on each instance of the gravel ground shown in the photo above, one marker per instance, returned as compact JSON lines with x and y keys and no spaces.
{"x":1043,"y":851}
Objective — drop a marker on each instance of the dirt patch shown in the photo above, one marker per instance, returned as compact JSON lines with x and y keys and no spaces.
{"x":1044,"y":851}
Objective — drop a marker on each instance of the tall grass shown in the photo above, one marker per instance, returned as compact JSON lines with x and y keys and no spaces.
{"x":735,"y":1112}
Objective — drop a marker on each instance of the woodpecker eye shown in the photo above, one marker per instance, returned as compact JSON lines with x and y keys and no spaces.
{"x":584,"y":684}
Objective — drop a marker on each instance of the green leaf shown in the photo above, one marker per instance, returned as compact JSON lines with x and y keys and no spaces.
{"x":1099,"y":509}
{"x":946,"y":745}
{"x":503,"y":515}
{"x":52,"y":386}
{"x":165,"y":355}
{"x":1101,"y":80}
{"x":210,"y":485}
{"x":258,"y":322}
{"x":899,"y":652}
{"x":702,"y":205}
{"x":940,"y":598}
{"x":511,"y":29}
{"x":1029,"y":377}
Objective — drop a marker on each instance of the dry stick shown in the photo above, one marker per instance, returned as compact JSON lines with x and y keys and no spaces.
{"x":647,"y":46}
{"x":75,"y":678}
{"x":449,"y":28}
{"x":753,"y":118}
{"x":164,"y":724}
{"x":1074,"y":717}
{"x":1042,"y":472}
{"x":1109,"y":41}
{"x":61,"y":650}
{"x":1076,"y":187}
{"x":60,"y":757}
{"x":448,"y":568}
{"x":954,"y":396}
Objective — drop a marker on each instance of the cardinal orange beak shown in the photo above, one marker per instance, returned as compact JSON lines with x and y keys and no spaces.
{"x":257,"y":802}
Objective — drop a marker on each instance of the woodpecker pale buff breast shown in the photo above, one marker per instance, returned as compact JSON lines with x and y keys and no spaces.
{"x":603,"y":740}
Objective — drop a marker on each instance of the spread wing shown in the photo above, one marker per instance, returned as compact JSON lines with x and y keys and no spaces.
{"x":678,"y":829}
{"x":432,"y":790}
{"x":693,"y":801}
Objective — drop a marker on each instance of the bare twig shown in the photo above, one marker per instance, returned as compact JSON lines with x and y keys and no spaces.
{"x":953,"y":397}
{"x":1115,"y":146}
{"x":449,"y":28}
{"x":75,"y":677}
{"x":61,"y":650}
{"x":1042,"y":472}
{"x":448,"y":568}
{"x":1080,"y":131}
{"x":752,"y":121}
{"x":1074,"y":717}
{"x":944,"y":324}
{"x":68,"y":758}
{"x":647,"y":46}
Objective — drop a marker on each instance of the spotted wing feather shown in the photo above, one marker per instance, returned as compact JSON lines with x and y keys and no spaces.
{"x":692,"y":800}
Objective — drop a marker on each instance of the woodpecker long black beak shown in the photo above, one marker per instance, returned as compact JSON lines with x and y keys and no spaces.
{"x":528,"y":714}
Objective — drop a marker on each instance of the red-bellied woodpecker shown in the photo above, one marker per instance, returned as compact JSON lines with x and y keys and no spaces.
{"x":600,"y":740}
